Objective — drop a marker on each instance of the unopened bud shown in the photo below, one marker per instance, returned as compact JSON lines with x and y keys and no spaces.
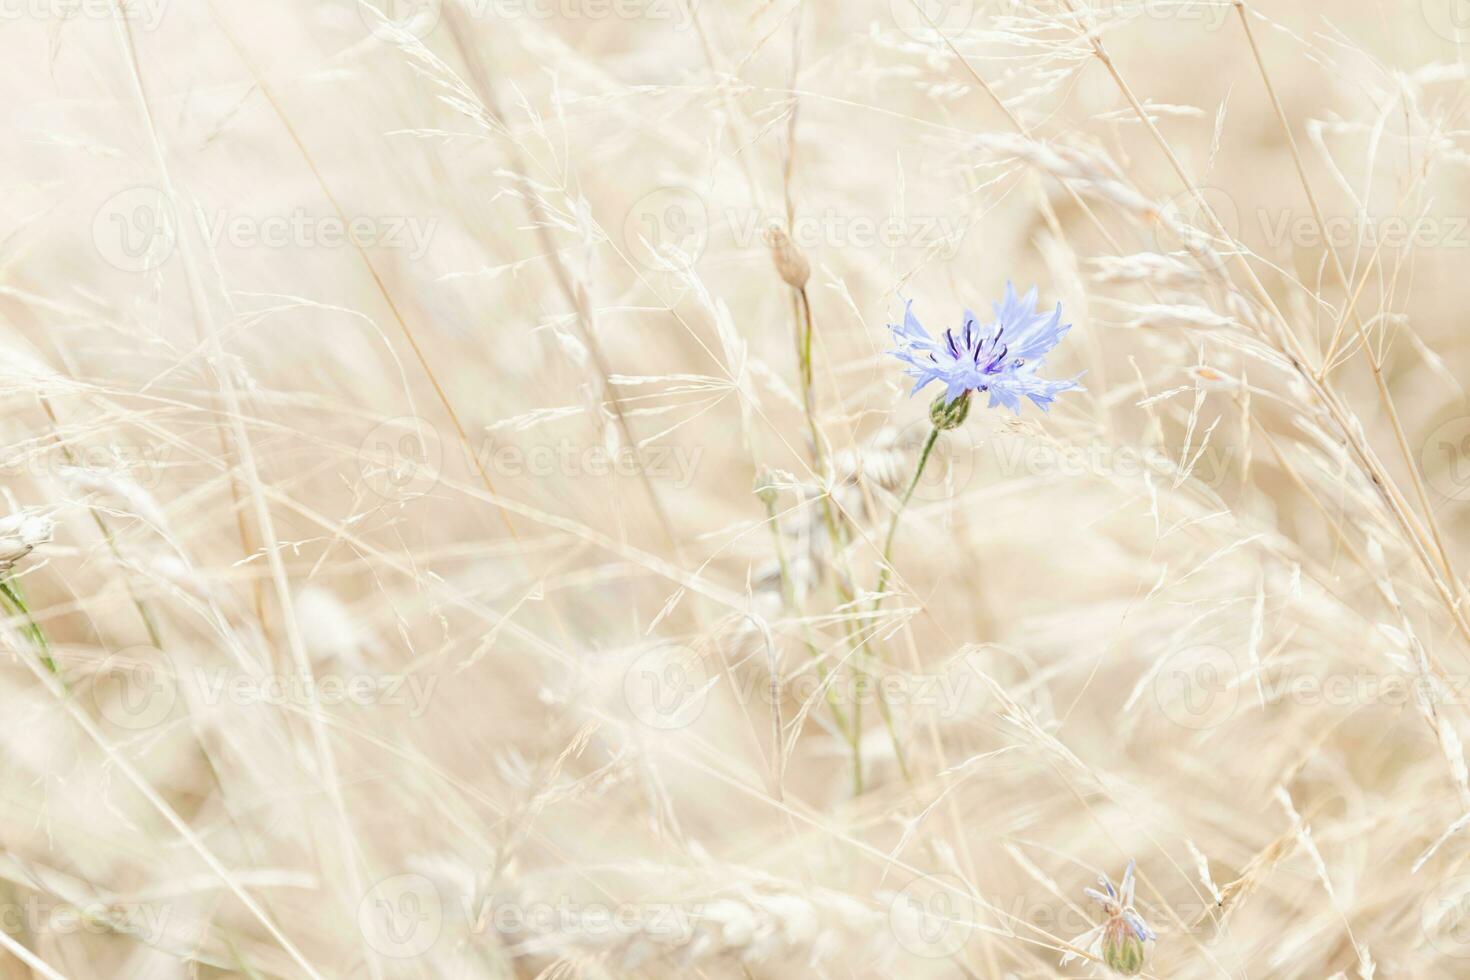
{"x":1122,"y":949}
{"x":765,"y":487}
{"x":793,"y":267}
{"x":949,"y":414}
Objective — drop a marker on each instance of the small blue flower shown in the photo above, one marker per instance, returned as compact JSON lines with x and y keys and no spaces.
{"x":1000,"y":358}
{"x":1120,"y":940}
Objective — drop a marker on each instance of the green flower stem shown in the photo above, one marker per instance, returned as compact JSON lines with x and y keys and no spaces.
{"x":14,"y":602}
{"x":805,"y":329}
{"x":878,"y":601}
{"x":883,"y":574}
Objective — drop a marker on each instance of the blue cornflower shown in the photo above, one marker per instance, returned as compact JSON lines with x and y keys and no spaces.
{"x":1121,"y":939}
{"x":999,"y":358}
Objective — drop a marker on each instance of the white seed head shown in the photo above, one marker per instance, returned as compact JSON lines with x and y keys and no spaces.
{"x":20,"y":533}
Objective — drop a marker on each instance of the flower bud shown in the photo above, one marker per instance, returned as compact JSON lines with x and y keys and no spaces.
{"x":765,"y":487}
{"x":793,"y":267}
{"x":1122,"y":950}
{"x":949,"y":414}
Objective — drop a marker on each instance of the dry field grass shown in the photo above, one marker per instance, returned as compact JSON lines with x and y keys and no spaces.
{"x":449,"y":451}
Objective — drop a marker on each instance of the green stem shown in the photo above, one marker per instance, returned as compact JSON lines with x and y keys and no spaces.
{"x":893,"y":526}
{"x":883,"y":584}
{"x":11,"y":598}
{"x":805,"y":329}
